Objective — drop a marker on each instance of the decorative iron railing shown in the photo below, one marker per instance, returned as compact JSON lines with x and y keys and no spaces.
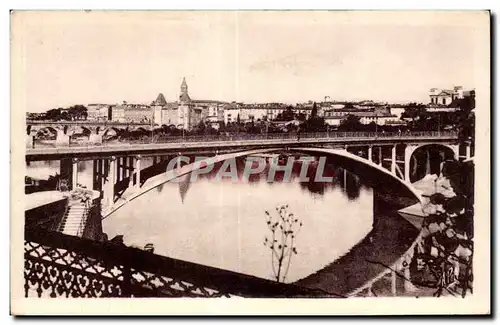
{"x":58,"y":265}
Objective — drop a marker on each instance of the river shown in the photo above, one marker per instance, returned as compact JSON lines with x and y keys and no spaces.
{"x":221,"y":223}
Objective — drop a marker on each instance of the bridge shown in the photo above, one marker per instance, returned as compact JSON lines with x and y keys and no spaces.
{"x":63,"y":130}
{"x":117,"y":167}
{"x":120,"y":179}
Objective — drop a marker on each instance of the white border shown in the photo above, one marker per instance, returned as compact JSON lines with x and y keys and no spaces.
{"x":146,"y":4}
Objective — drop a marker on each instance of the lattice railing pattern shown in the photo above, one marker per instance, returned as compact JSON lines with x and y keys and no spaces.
{"x":59,"y":265}
{"x":53,"y":272}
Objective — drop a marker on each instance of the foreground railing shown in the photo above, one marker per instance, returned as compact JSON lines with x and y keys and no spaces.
{"x":58,"y":265}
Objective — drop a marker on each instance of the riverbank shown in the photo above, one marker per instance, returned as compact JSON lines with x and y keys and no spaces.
{"x":390,"y":238}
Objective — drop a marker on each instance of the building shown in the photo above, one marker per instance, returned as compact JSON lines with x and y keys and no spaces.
{"x":334,"y":120}
{"x":379,"y":114}
{"x":186,"y":113}
{"x":445,"y":96}
{"x":158,"y":106}
{"x":397,"y":110}
{"x":118,"y":113}
{"x":138,"y":113}
{"x":445,"y":100}
{"x":231,"y":113}
{"x":99,"y":112}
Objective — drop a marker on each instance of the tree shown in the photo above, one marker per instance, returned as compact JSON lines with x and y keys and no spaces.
{"x":201,"y":128}
{"x":414,"y":111}
{"x":284,"y":227}
{"x":314,"y":123}
{"x":350,"y":123}
{"x":443,"y":256}
{"x":77,"y":112}
{"x":301,"y":117}
{"x":314,"y":111}
{"x":54,"y":114}
{"x":288,"y":114}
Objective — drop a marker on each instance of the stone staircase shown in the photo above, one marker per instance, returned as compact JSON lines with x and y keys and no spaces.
{"x":74,"y":219}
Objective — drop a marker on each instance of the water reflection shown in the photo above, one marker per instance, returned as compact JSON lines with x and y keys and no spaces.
{"x":221,"y":223}
{"x":349,"y":183}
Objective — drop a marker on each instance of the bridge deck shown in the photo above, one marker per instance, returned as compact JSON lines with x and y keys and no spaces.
{"x":228,"y":144}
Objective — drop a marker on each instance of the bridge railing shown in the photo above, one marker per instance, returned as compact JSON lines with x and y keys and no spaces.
{"x":287,"y":136}
{"x":58,"y":265}
{"x":85,"y":122}
{"x":257,"y":138}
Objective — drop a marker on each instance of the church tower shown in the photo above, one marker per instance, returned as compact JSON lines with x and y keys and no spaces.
{"x":184,"y":106}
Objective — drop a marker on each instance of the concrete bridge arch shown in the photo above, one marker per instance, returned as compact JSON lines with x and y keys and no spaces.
{"x":412,"y":149}
{"x":356,"y":164}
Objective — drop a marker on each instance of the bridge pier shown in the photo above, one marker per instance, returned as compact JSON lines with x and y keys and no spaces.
{"x":30,"y":141}
{"x":131,"y":172}
{"x":95,"y":138}
{"x":393,"y":283}
{"x":345,"y":180}
{"x":74,"y":179}
{"x":97,"y":175}
{"x":62,"y":139}
{"x":427,"y":162}
{"x":408,"y":285}
{"x":380,"y":156}
{"x":123,"y":167}
{"x":393,"y":160}
{"x":370,"y":291}
{"x":108,"y":187}
{"x":134,"y":171}
{"x":138,"y":171}
{"x":408,"y":154}
{"x":370,"y":153}
{"x":67,"y":170}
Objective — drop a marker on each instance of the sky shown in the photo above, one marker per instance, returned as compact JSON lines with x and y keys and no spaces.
{"x":67,"y":58}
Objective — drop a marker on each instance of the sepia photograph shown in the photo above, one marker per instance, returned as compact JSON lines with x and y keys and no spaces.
{"x":310,"y":162}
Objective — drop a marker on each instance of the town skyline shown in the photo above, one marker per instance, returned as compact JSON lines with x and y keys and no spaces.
{"x":238,"y":56}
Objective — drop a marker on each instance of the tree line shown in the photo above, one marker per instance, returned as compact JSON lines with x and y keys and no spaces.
{"x":72,"y":113}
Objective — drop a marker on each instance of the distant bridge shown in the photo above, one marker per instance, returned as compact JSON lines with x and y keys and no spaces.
{"x":95,"y":130}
